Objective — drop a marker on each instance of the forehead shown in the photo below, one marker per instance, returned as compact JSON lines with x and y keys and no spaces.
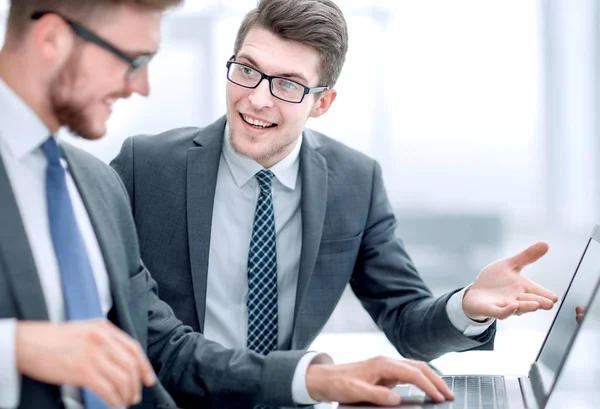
{"x":130,"y":27}
{"x":277,"y":56}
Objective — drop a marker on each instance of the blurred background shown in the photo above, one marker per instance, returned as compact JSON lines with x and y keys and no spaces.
{"x":483,"y":115}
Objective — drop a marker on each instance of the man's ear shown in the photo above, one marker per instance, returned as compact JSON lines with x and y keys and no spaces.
{"x":323,"y":103}
{"x":52,"y":39}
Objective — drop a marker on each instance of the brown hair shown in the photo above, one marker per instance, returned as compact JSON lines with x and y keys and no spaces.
{"x":319,"y":24}
{"x":21,"y":10}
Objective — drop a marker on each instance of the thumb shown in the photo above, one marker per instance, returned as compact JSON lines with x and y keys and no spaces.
{"x":530,"y":255}
{"x":375,"y":394}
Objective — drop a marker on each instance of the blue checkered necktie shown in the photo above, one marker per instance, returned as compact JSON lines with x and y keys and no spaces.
{"x":81,"y":297}
{"x":262,"y":272}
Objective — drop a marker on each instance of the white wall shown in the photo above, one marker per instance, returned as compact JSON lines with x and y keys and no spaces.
{"x":473,"y":107}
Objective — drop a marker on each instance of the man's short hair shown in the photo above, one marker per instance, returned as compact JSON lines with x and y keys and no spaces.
{"x":319,"y":24}
{"x":19,"y":15}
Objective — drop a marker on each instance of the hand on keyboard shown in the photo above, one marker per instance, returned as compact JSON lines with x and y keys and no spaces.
{"x":371,"y":381}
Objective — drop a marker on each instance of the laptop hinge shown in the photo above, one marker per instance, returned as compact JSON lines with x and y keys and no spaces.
{"x":528,"y":395}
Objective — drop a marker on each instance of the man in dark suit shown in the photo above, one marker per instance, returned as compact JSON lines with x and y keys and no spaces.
{"x":256,"y":223}
{"x":79,"y":312}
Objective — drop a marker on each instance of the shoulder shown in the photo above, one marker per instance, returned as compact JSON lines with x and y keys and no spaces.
{"x":164,"y":142}
{"x":91,"y":171}
{"x":84,"y":161}
{"x":341,"y":159}
{"x":172,"y":144}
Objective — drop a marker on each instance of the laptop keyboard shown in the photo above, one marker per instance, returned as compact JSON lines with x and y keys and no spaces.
{"x":471,"y":392}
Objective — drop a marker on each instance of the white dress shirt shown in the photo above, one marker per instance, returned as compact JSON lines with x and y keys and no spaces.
{"x":236,"y":195}
{"x":21,"y":135}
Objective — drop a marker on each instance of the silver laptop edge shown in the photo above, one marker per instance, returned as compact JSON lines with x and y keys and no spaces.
{"x":533,"y":382}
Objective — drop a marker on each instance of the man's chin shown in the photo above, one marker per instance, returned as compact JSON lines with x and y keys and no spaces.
{"x":247,"y":149}
{"x":82,"y":124}
{"x":88,"y":132}
{"x":94,"y":136}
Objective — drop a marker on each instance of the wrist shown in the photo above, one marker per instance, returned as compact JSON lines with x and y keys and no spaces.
{"x":29,"y":346}
{"x":22,"y":351}
{"x":316,"y":379}
{"x":476,"y":318}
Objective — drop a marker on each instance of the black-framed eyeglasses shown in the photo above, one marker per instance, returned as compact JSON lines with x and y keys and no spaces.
{"x":281,"y":88}
{"x":135,"y":63}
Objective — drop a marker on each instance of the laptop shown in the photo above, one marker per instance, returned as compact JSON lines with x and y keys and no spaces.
{"x":578,"y":382}
{"x":533,"y":391}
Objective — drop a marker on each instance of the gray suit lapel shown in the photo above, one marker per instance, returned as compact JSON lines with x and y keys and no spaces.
{"x":202,"y":169}
{"x":87,"y":185}
{"x":16,"y":259}
{"x":313,"y":171}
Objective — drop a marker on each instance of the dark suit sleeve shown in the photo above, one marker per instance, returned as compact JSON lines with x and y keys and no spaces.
{"x":196,"y":371}
{"x":391,"y":290}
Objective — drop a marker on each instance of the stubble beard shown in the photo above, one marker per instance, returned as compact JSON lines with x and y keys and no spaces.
{"x":68,"y":110}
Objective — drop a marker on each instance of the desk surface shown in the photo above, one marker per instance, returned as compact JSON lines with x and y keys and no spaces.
{"x":514,"y":351}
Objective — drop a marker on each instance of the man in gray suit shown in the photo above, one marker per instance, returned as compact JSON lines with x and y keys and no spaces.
{"x":78,"y":309}
{"x":255,"y":224}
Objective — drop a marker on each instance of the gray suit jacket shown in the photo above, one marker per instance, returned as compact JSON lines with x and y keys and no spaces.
{"x":348,"y":235}
{"x":188,"y":365}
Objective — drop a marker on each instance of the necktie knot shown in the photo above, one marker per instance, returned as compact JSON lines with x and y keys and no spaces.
{"x":264,"y":178}
{"x":51,"y":151}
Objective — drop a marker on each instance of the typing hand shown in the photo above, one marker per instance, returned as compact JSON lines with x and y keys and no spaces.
{"x":500,"y":291}
{"x":371,"y":381}
{"x":94,"y":354}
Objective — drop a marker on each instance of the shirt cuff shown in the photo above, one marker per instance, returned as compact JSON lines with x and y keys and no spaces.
{"x":10,"y":380}
{"x":300,"y":393}
{"x":459,"y":319}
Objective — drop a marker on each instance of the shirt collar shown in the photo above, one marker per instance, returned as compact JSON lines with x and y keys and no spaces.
{"x":244,"y":168}
{"x":21,"y":130}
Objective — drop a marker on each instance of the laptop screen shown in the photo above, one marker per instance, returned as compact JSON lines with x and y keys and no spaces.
{"x":579,"y":379}
{"x":564,"y":328}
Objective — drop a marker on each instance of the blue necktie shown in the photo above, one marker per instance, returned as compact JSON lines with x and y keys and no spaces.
{"x":81,"y":297}
{"x":262,"y":272}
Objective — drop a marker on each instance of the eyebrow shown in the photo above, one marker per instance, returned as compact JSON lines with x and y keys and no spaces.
{"x":296,"y":75}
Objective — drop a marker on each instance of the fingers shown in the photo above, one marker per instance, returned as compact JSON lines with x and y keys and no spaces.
{"x":105,"y":390}
{"x":416,"y":373}
{"x":519,"y":307}
{"x":439,"y":386}
{"x":378,"y":395}
{"x":525,"y":303}
{"x":111,"y":383}
{"x":529,"y":255}
{"x":501,"y":313}
{"x":580,"y":313}
{"x":416,"y":376}
{"x":537,"y":289}
{"x":125,"y":372}
{"x":385,"y":371}
{"x":141,"y":364}
{"x":370,"y":381}
{"x":543,"y":302}
{"x":113,"y":362}
{"x":91,"y":354}
{"x":527,"y":306}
